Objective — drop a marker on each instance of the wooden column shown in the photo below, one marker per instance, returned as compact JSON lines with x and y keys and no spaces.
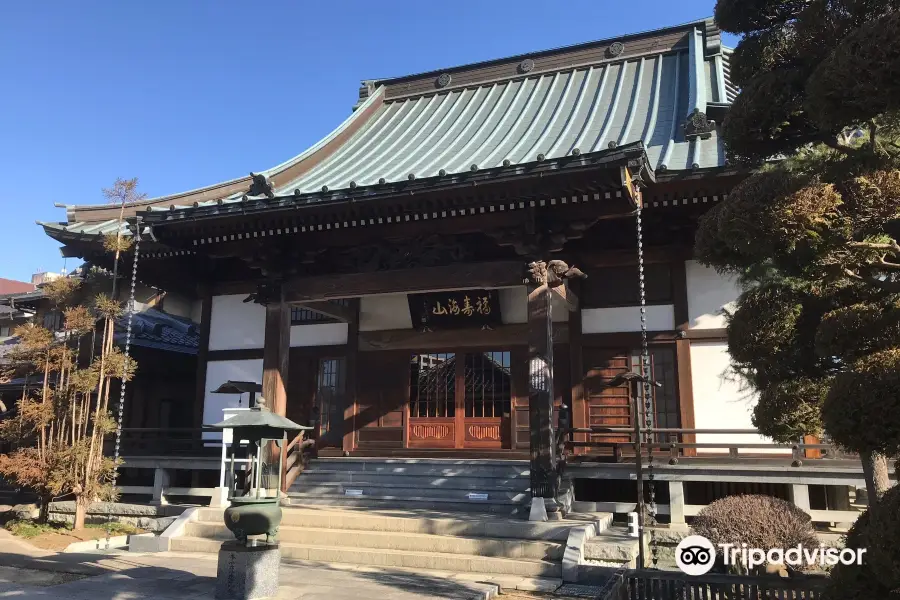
{"x":540,"y":386}
{"x":350,"y":385}
{"x":576,"y":364}
{"x":276,"y":354}
{"x":202,"y":356}
{"x":683,"y":353}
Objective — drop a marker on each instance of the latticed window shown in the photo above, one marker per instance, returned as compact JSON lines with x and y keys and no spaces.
{"x":488,"y":384}
{"x":305,"y":316}
{"x":665,"y":398}
{"x":432,"y":385}
{"x":329,"y":392}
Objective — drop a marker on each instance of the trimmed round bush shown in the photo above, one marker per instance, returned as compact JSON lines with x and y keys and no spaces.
{"x":862,"y":409}
{"x":860,"y":79}
{"x":878,"y":531}
{"x":756,"y":520}
{"x":788,"y":410}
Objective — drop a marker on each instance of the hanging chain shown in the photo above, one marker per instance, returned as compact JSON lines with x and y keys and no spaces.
{"x":121,"y":408}
{"x":647,"y":389}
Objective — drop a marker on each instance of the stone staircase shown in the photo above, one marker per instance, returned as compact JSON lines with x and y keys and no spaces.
{"x":419,"y":514}
{"x":500,"y":487}
{"x":417,"y":539}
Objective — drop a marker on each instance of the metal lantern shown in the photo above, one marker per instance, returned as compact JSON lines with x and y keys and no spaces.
{"x":255,"y":460}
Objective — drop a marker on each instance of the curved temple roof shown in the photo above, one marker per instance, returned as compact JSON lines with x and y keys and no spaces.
{"x":612,"y":99}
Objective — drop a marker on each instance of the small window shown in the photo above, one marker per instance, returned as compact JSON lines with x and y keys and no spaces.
{"x":619,"y":286}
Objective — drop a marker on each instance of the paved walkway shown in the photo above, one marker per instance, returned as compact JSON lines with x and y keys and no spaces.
{"x":27,"y":572}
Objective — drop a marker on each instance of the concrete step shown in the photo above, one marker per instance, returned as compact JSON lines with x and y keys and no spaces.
{"x":459,"y":563}
{"x":418,"y":521}
{"x":461,"y":482}
{"x":391,"y":540}
{"x":405,"y":490}
{"x":499,"y":507}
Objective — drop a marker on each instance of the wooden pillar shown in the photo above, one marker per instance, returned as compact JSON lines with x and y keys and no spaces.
{"x":540,"y":386}
{"x":576,"y":362}
{"x":202,"y":356}
{"x":683,"y":353}
{"x":350,"y":385}
{"x":685,"y":392}
{"x":276,"y":354}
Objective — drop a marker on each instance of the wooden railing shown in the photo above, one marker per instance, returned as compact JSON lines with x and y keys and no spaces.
{"x":295,"y":456}
{"x":676,"y":443}
{"x":169,"y":441}
{"x":658,"y":585}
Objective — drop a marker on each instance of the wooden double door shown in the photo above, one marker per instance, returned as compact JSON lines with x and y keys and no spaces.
{"x":460,"y":400}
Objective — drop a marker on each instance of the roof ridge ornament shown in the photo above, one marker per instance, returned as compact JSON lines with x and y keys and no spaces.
{"x":526,"y":66}
{"x":615,"y":49}
{"x":444,"y":80}
{"x":698,"y":126}
{"x":261,"y":186}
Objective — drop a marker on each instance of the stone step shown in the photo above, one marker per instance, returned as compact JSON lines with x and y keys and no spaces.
{"x":613,"y":547}
{"x":417,"y":521}
{"x":391,"y":540}
{"x":500,"y":507}
{"x":403,"y":490}
{"x":459,"y":563}
{"x":429,"y":467}
{"x":462,"y":482}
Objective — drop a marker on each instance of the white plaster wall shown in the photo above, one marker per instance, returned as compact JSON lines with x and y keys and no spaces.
{"x":384,"y":312}
{"x":319,"y":334}
{"x":177,"y":305}
{"x":627,"y":318}
{"x":236,"y":325}
{"x":721,"y":399}
{"x":514,"y":306}
{"x":709,"y":294}
{"x":217,"y":373}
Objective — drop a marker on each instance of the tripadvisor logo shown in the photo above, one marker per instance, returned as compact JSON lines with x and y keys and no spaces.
{"x":696,"y":555}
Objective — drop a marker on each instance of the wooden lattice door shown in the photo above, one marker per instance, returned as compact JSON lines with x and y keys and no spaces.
{"x":460,"y":400}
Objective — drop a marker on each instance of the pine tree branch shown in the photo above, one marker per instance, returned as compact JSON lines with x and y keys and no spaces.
{"x":882,"y":284}
{"x":832,"y":143}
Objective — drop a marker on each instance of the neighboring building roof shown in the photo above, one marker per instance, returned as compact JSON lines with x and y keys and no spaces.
{"x":525,"y":109}
{"x":11,"y":286}
{"x":153,"y":328}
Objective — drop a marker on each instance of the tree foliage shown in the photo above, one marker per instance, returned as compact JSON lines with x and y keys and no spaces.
{"x":58,"y":429}
{"x":798,"y":68}
{"x":813,"y":234}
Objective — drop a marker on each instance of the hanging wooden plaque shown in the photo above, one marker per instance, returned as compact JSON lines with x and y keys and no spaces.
{"x":460,"y":309}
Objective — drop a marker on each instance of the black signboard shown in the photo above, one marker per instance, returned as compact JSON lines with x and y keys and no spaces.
{"x":455,"y":310}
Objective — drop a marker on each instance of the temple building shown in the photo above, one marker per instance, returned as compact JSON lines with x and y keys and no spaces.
{"x":412,"y":284}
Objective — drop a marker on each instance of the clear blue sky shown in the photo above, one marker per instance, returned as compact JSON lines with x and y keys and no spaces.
{"x":186,"y":93}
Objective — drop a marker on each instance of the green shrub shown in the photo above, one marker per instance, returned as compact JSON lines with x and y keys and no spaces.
{"x":878,"y":531}
{"x":29,"y":529}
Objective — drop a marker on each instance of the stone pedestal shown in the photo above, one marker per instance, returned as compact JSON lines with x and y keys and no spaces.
{"x":247,"y":572}
{"x":538,"y":511}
